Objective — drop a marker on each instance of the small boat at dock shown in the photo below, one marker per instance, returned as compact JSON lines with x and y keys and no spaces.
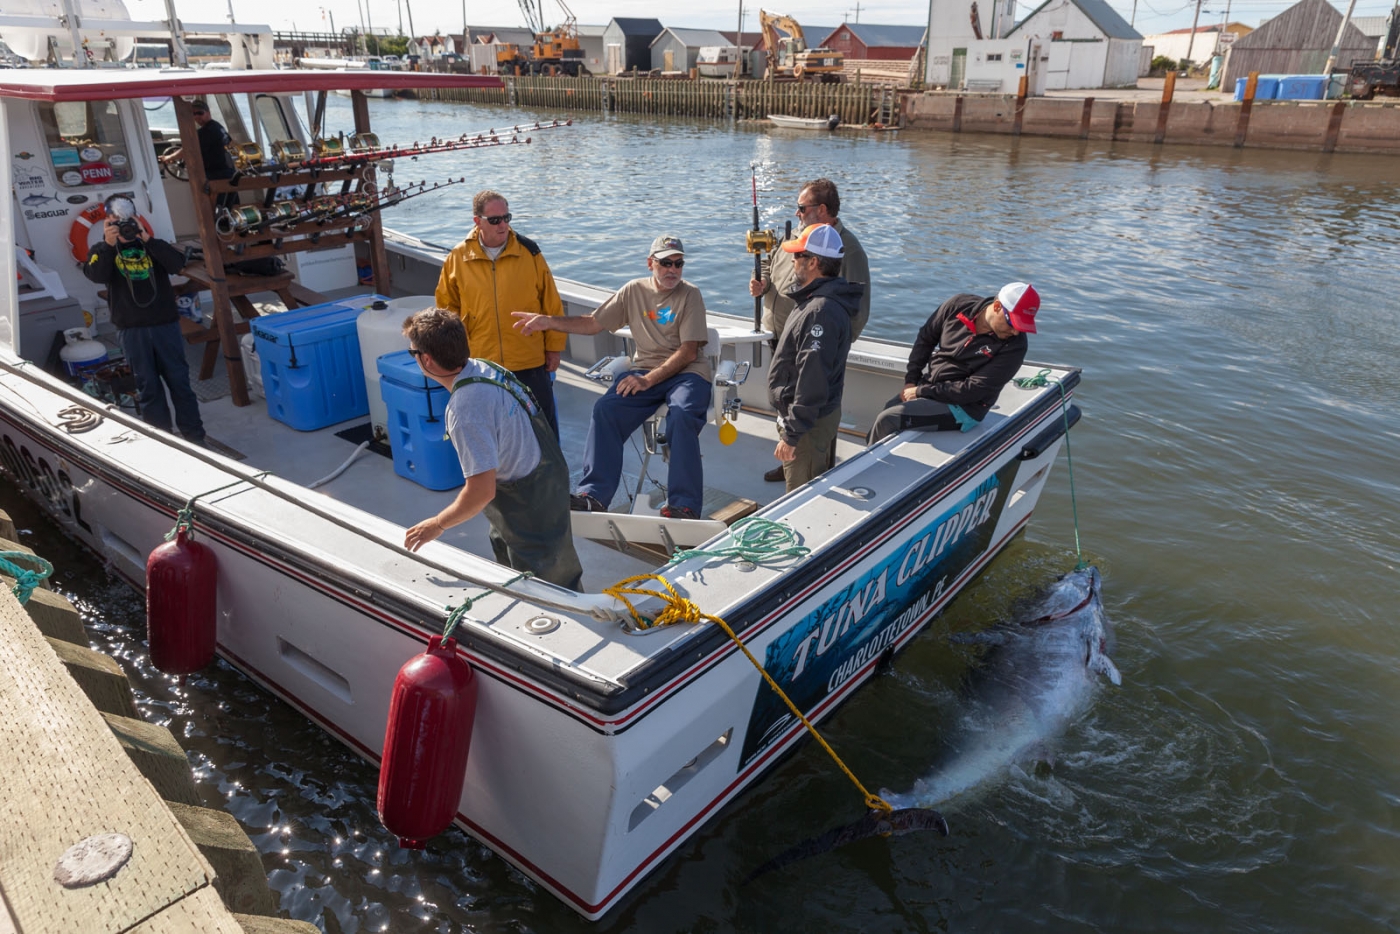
{"x":805,"y":123}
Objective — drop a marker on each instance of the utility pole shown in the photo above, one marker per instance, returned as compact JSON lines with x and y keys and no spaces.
{"x":1192,"y":43}
{"x":1337,"y":43}
{"x":739,"y":43}
{"x":409,"y":7}
{"x":1133,"y":21}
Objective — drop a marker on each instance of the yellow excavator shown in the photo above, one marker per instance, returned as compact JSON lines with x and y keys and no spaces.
{"x":788,"y":56}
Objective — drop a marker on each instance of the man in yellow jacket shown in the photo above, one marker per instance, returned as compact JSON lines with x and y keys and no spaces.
{"x":491,"y":274}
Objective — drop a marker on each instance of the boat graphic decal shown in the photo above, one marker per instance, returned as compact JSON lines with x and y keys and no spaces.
{"x":834,"y":642}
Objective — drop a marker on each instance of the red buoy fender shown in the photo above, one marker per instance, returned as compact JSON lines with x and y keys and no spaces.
{"x":78,"y":231}
{"x":426,"y":743}
{"x":181,"y":604}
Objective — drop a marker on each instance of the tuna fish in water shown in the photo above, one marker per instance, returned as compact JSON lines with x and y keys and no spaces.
{"x":1038,"y":677}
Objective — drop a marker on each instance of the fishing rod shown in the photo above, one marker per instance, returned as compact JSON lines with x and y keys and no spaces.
{"x":758,"y":241}
{"x":244,"y":220}
{"x":330,"y":152}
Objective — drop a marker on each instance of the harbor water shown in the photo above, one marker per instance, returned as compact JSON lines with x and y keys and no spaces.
{"x":1234,"y":313}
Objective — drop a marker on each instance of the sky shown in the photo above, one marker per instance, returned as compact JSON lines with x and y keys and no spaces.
{"x":1151,"y":16}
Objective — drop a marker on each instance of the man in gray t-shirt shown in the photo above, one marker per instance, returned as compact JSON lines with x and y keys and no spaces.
{"x":515,"y":472}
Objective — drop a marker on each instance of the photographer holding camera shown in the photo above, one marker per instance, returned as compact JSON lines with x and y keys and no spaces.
{"x":136,"y":269}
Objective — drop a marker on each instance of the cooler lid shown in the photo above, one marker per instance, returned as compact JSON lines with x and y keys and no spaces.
{"x":399,"y":367}
{"x":315,"y":322}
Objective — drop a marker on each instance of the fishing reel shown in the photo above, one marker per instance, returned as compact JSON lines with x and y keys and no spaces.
{"x":246,"y":156}
{"x":288,"y":151}
{"x":332,"y":147}
{"x":364,"y":142}
{"x":238,"y":221}
{"x":282,"y":213}
{"x":760,"y":241}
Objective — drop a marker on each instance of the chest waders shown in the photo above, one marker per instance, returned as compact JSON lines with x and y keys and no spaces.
{"x":529,"y":516}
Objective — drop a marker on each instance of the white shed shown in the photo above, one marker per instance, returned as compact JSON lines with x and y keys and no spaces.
{"x":1084,"y":44}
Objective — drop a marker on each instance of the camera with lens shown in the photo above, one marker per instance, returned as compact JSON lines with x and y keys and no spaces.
{"x":128,"y":229}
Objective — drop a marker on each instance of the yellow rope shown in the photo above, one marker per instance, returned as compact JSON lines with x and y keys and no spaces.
{"x":679,"y":609}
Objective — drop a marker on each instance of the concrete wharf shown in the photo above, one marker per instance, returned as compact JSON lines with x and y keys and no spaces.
{"x":77,"y":769}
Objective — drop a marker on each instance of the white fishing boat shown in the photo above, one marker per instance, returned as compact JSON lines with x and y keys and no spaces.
{"x":597,"y":748}
{"x":805,"y":123}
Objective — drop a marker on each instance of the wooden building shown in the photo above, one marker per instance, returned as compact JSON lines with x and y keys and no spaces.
{"x":679,"y":49}
{"x":627,"y":44}
{"x":1177,"y":43}
{"x":871,"y":41}
{"x":1296,"y":42}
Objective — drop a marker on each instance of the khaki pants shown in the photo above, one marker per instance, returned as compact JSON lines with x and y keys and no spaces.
{"x":814,"y":452}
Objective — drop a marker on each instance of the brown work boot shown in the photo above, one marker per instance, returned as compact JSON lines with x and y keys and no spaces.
{"x":775,"y":475}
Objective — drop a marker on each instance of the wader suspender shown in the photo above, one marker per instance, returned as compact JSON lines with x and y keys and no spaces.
{"x":509,"y":383}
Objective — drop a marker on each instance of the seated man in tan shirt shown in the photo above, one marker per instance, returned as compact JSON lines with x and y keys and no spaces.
{"x":667,"y":317}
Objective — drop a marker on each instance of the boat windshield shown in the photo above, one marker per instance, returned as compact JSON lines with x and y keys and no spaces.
{"x":86,"y":143}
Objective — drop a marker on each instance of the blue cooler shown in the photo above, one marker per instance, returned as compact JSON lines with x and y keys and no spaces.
{"x":416,"y":427}
{"x":1302,"y":88}
{"x":311,"y":369}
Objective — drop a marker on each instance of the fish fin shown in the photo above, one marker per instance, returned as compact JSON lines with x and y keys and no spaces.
{"x":1103,"y":665}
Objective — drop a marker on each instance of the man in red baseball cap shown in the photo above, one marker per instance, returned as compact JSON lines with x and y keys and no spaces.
{"x":967,"y":350}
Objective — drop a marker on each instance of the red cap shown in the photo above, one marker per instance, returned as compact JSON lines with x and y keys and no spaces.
{"x":1020,"y":301}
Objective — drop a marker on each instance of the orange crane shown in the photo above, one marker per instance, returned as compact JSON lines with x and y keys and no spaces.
{"x":557,"y":50}
{"x":789,"y":56}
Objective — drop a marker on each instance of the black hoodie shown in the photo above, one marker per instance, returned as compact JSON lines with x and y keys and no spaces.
{"x":808,"y":372}
{"x":137,"y":278}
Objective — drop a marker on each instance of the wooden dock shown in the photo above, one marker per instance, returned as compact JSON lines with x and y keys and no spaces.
{"x":854,"y":103}
{"x":100,"y":829}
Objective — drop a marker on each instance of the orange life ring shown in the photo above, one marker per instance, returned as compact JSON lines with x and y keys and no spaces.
{"x":82,"y":224}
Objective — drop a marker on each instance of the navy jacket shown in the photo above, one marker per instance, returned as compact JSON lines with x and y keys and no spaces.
{"x":808,"y":372}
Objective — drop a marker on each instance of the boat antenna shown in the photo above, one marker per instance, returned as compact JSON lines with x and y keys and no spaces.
{"x":178,"y":50}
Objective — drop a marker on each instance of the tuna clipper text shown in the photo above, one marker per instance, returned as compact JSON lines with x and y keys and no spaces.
{"x":852,"y":606}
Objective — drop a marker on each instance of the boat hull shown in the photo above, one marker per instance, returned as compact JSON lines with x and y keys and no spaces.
{"x":586,"y":791}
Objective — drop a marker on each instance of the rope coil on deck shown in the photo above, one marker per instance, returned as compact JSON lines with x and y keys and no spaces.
{"x":26,"y":579}
{"x":755,"y":540}
{"x":1036,"y":382}
{"x":680,"y":609}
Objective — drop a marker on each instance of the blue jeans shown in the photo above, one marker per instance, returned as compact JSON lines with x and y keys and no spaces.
{"x":156,"y":355}
{"x":537,"y":380}
{"x":616,"y":417}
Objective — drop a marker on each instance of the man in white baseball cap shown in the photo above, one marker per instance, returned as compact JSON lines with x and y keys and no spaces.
{"x":965,"y":353}
{"x":808,"y":374}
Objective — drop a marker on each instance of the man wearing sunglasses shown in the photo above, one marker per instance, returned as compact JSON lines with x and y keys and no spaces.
{"x":965,"y":353}
{"x":817,"y":203}
{"x":492,"y":274}
{"x":213,"y":150}
{"x":808,"y":374}
{"x":666,"y":316}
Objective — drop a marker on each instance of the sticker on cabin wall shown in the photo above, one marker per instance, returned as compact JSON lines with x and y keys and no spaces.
{"x":72,"y":178}
{"x":90,"y":154}
{"x":96,"y":173}
{"x":41,"y":215}
{"x":117,"y":161}
{"x":77,"y":199}
{"x":837,"y":640}
{"x":64,"y":157}
{"x":27,"y":177}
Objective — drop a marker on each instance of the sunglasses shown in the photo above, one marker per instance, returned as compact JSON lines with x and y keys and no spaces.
{"x":671,"y":263}
{"x":804,"y":208}
{"x":199,"y":113}
{"x":1007,"y":315}
{"x":804,"y":255}
{"x":417,"y":353}
{"x":495,"y":219}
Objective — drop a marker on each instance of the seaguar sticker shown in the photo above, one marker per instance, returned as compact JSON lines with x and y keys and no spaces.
{"x":835,"y":642}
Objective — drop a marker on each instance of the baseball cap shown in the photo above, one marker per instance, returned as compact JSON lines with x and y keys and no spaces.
{"x":665,"y":246}
{"x":821,"y":239}
{"x":1021,"y":301}
{"x":198,"y":104}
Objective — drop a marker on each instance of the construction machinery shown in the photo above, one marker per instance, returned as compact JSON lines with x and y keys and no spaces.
{"x":1380,"y":77}
{"x":788,"y":56}
{"x":555,"y":51}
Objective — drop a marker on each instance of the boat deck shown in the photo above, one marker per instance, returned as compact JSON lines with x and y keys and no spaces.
{"x":731,"y":472}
